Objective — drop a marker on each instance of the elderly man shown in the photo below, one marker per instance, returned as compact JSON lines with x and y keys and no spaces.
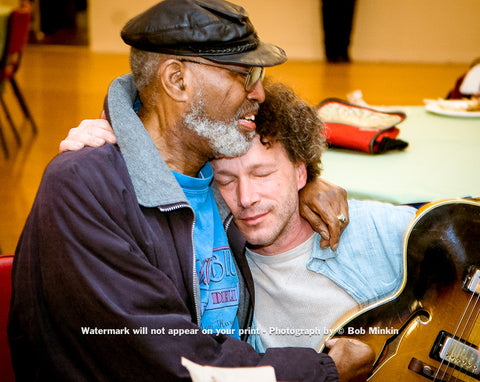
{"x":124,"y":265}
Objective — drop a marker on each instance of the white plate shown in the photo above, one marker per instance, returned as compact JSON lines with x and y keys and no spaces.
{"x":433,"y":107}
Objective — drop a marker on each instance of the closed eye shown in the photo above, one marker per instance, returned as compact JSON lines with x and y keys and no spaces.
{"x":224,"y":181}
{"x":263,"y":174}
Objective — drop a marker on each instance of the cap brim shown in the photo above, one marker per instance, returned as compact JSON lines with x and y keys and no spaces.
{"x":264,"y":55}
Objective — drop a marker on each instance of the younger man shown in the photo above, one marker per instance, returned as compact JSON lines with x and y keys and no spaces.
{"x":298,"y":285}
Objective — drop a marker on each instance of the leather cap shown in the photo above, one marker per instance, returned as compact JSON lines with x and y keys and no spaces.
{"x":213,"y":29}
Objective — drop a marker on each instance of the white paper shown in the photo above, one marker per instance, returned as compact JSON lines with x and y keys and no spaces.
{"x":201,"y":373}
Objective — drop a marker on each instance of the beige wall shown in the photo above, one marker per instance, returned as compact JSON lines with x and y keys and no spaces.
{"x":384,"y":30}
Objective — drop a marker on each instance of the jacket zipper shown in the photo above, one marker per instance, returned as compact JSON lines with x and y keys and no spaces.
{"x":228,"y":221}
{"x":249,"y":319}
{"x":196,"y":286}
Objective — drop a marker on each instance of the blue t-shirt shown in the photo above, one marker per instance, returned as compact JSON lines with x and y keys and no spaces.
{"x":217,"y":274}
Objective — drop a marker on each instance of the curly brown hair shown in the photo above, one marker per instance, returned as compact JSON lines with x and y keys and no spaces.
{"x":287,"y":119}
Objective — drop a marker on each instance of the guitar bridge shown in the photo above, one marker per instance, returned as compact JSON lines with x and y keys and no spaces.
{"x":457,"y":353}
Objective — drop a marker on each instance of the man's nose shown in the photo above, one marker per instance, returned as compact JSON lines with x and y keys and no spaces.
{"x":257,"y":94}
{"x":246,"y":193}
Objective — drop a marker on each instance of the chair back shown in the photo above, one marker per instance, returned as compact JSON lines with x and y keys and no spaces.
{"x":17,"y":35}
{"x":6,"y":368}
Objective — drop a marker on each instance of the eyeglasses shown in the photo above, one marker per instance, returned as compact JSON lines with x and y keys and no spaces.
{"x":253,"y":75}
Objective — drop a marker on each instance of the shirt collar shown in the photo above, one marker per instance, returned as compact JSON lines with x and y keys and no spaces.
{"x":154,"y":183}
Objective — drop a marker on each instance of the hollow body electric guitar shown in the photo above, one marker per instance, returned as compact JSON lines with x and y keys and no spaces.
{"x":430,"y":328}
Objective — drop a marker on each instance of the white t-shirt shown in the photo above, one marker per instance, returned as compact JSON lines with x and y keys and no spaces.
{"x":291,"y":299}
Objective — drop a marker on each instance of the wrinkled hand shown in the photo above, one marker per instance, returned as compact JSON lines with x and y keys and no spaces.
{"x":321,"y":203}
{"x":90,"y":132}
{"x":353,"y":359}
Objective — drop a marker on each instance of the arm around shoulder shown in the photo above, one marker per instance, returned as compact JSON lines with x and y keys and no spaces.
{"x":97,"y":275}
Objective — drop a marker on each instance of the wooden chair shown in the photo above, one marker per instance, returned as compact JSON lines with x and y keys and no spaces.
{"x":16,"y":38}
{"x":6,"y":368}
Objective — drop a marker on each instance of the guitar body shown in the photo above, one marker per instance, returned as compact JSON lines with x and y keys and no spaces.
{"x":429,"y":330}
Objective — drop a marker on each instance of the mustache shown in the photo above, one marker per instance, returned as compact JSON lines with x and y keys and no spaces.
{"x":248,"y":107}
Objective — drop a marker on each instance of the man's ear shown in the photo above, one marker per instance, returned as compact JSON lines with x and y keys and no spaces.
{"x":301,"y":170}
{"x":174,"y":79}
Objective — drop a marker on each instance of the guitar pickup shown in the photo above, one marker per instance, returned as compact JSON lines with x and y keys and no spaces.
{"x":472,"y":281}
{"x":457,"y":353}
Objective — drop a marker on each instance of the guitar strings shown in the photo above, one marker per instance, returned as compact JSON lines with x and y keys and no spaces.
{"x":475,"y":339}
{"x":462,"y":336}
{"x":469,"y":322}
{"x":448,"y":363}
{"x":459,"y":335}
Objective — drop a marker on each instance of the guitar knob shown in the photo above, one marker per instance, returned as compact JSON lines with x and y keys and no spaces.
{"x":427,"y":371}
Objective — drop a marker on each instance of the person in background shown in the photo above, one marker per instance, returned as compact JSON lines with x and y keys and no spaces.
{"x":467,"y":86}
{"x":129,"y":238}
{"x":337,"y":21}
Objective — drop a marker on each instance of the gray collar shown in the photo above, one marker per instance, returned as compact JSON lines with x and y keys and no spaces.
{"x":154,"y":183}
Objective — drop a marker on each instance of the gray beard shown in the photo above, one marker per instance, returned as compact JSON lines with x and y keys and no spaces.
{"x":225,"y":138}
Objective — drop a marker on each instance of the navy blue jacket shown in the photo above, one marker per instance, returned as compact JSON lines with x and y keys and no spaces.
{"x":107,"y":249}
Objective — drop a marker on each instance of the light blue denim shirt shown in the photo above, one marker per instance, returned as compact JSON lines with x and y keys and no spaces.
{"x":368,"y":263}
